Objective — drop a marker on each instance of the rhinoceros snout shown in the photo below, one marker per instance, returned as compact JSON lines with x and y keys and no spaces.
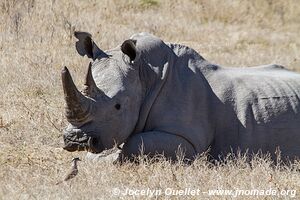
{"x":77,"y":140}
{"x":75,"y":147}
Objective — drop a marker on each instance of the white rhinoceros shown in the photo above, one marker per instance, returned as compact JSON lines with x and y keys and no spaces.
{"x":160,"y":96}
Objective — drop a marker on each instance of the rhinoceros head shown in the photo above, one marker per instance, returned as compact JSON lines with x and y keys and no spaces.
{"x":106,"y":111}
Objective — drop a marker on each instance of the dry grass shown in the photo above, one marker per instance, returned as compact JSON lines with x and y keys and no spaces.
{"x":36,"y":41}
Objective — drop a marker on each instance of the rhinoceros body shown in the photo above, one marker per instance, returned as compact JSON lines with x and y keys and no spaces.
{"x":160,"y":97}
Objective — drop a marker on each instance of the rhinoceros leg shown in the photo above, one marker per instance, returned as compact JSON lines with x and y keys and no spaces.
{"x":155,"y":142}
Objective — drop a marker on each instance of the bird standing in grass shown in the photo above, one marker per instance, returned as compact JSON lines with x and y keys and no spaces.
{"x":73,"y":172}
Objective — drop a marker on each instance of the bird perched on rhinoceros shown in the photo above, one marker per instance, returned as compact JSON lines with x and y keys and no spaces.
{"x":162,"y":96}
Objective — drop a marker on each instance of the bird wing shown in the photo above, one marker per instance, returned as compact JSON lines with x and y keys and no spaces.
{"x":72,"y":174}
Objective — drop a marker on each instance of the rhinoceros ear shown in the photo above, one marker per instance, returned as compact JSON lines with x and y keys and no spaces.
{"x":86,"y":46}
{"x":128,"y":47}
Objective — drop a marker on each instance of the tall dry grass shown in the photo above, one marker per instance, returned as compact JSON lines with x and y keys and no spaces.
{"x":36,"y":41}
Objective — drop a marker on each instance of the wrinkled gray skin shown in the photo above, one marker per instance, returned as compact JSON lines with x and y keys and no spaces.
{"x":163,"y":96}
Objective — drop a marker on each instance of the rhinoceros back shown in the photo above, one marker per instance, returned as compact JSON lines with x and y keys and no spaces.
{"x":266,"y":103}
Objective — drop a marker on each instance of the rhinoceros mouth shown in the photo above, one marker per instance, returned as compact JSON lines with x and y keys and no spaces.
{"x":95,"y":145}
{"x":78,"y":141}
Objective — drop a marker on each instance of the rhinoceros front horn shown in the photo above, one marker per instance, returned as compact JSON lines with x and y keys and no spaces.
{"x":77,"y":105}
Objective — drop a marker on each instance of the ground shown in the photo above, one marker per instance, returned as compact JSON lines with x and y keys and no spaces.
{"x":36,"y":42}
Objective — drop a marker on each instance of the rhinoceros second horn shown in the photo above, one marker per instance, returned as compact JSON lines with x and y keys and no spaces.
{"x":90,"y":85}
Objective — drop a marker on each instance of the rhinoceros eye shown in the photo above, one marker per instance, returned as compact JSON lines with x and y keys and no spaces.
{"x":118,"y":106}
